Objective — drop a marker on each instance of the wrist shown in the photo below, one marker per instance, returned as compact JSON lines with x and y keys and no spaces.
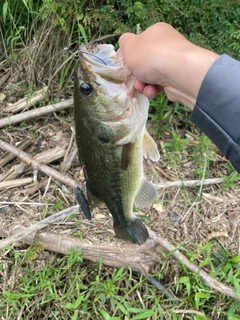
{"x":198,"y":62}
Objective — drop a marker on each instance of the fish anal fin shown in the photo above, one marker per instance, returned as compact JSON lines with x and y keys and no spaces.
{"x":146,"y":195}
{"x":150,"y":147}
{"x":134,"y":231}
{"x":127,"y":153}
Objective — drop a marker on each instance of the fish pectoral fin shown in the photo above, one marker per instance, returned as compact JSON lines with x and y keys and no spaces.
{"x":146,"y":195}
{"x":134,"y":231}
{"x":127,"y":153}
{"x":150,"y":147}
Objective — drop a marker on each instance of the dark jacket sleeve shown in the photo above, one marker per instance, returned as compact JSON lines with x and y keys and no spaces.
{"x":217,"y":109}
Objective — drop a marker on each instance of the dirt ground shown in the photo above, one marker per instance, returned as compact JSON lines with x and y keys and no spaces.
{"x":213,"y":216}
{"x":181,"y":214}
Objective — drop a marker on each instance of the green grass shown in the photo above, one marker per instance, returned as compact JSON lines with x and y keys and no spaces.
{"x":42,"y":285}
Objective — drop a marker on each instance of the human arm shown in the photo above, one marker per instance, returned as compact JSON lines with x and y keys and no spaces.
{"x":217,"y":109}
{"x":164,"y":61}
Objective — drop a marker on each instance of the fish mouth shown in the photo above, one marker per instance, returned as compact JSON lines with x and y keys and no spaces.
{"x":104,"y":61}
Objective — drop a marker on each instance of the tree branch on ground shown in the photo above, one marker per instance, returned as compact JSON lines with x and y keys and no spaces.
{"x":139,"y":258}
{"x":40,"y":166}
{"x":26,"y":102}
{"x":11,"y":120}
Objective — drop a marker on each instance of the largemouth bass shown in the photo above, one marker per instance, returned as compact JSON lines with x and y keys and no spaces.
{"x":110,"y":123}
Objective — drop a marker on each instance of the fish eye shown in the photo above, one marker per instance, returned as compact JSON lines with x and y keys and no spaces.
{"x":86,"y":89}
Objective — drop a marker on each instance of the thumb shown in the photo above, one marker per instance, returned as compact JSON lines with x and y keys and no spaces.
{"x":126,"y":40}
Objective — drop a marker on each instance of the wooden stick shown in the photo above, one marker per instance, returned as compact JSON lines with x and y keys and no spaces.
{"x":139,"y":258}
{"x":26,"y":102}
{"x":188,"y":183}
{"x":11,"y":120}
{"x":9,"y":156}
{"x":46,"y":157}
{"x":39,"y":166}
{"x":38,"y":226}
{"x":163,"y":173}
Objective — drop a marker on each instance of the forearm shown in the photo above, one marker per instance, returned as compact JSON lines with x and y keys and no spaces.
{"x":217,"y":109}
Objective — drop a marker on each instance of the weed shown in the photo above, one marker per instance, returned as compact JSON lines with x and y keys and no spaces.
{"x":174,"y":148}
{"x":58,"y":205}
{"x":202,"y":151}
{"x":231,"y":178}
{"x":166,"y":115}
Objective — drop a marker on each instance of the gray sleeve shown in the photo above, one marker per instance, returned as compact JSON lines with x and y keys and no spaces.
{"x":217,"y":109}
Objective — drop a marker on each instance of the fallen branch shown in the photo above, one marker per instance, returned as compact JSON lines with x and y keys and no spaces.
{"x":47,"y":156}
{"x":207,"y":279}
{"x":11,"y":120}
{"x":38,"y":226}
{"x":26,"y":102}
{"x":139,"y":258}
{"x":188,"y":183}
{"x":39,"y":166}
{"x":9,"y":156}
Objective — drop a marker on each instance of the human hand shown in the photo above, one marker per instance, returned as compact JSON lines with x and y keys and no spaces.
{"x":163,"y":60}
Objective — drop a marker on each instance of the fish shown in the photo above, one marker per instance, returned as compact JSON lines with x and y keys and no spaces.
{"x":110,"y":118}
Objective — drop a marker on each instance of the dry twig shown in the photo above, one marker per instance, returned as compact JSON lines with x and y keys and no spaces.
{"x":188,"y":183}
{"x":9,"y":156}
{"x":11,"y":120}
{"x":46,"y":157}
{"x":26,"y":102}
{"x":15,"y":183}
{"x":39,"y":166}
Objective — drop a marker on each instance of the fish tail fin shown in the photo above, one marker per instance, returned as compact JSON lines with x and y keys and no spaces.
{"x":134,"y":231}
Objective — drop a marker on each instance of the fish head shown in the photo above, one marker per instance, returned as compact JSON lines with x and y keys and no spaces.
{"x":104,"y":89}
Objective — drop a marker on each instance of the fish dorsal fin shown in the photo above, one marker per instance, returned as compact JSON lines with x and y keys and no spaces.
{"x":150,"y":148}
{"x":146,"y":195}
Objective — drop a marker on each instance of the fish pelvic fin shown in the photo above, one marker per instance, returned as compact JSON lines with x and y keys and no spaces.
{"x":79,"y":197}
{"x":134,"y":231}
{"x":146,"y":195}
{"x":150,"y":147}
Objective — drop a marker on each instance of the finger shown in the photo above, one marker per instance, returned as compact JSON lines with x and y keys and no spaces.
{"x":150,"y":91}
{"x":139,"y":85}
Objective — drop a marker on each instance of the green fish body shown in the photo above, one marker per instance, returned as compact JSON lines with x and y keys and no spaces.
{"x":110,"y":124}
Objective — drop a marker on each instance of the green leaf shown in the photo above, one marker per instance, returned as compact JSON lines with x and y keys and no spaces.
{"x":83,"y":33}
{"x":145,"y":315}
{"x":75,"y":304}
{"x":235,"y":259}
{"x":4,"y":11}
